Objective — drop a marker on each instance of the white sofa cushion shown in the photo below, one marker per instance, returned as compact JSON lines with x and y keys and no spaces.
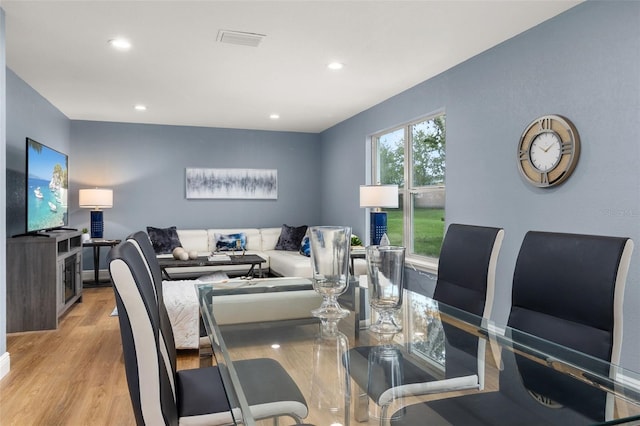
{"x":289,"y":263}
{"x":270,"y":238}
{"x":194,"y":239}
{"x":264,"y":307}
{"x":293,"y":264}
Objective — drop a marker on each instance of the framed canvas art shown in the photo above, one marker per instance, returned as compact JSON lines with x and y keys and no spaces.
{"x":232,"y":183}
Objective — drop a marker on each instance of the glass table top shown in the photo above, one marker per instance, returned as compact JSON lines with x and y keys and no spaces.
{"x":337,"y":364}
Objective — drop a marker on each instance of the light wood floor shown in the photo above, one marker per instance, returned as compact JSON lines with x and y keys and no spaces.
{"x":75,"y":374}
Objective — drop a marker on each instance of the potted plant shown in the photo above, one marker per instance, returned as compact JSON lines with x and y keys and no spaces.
{"x":85,"y":235}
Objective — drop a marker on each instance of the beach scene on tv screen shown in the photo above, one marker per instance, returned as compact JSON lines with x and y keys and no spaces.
{"x":47,"y":188}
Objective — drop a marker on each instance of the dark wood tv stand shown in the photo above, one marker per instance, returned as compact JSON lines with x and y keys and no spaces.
{"x":43,"y":279}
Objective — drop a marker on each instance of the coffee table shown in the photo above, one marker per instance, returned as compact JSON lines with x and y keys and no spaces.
{"x":253,"y":260}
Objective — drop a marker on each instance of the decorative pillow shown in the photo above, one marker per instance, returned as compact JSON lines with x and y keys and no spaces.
{"x":291,"y":237}
{"x":305,"y":246}
{"x":227,"y":242}
{"x":164,"y":240}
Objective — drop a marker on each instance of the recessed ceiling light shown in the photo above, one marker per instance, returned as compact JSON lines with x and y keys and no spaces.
{"x":274,"y":116}
{"x":120,"y":43}
{"x":140,"y":107}
{"x":335,"y":66}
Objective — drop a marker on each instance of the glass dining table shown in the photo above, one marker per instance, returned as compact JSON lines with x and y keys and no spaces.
{"x":346,"y":373}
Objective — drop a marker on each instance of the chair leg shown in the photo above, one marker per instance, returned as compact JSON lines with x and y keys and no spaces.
{"x":204,"y":347}
{"x":361,"y":406}
{"x":206,"y":361}
{"x":206,"y":355}
{"x":385,"y":420}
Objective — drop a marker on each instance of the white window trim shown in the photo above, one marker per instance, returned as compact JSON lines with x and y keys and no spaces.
{"x":423,"y":263}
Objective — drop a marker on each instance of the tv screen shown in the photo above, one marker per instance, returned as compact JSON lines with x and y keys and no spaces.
{"x":47,"y":188}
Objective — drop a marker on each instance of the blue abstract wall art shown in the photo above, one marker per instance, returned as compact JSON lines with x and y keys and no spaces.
{"x":232,"y":183}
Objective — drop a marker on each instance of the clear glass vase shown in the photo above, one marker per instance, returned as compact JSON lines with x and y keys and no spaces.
{"x":330,"y":252}
{"x":330,"y":380}
{"x":385,"y":273}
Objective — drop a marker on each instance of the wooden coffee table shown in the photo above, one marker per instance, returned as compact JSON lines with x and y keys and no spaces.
{"x":253,"y":260}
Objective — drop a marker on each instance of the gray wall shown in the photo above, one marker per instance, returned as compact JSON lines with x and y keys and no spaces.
{"x":3,"y":189}
{"x":28,"y":115}
{"x":145,"y":166}
{"x":584,"y":64}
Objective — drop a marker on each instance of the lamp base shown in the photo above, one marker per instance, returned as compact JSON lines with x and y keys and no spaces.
{"x":97,"y":224}
{"x":378,"y":222}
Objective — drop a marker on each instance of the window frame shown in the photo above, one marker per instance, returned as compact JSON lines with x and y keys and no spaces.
{"x":408,"y":191}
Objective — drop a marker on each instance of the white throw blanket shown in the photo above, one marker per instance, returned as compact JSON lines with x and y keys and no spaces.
{"x":181,"y":301}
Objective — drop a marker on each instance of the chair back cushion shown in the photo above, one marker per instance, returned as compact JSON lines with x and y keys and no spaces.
{"x":466,"y":280}
{"x":141,"y":240}
{"x":466,"y":268}
{"x":568,"y":289}
{"x":150,"y":387}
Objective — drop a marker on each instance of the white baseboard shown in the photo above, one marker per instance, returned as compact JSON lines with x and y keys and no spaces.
{"x":88,"y":275}
{"x":5,"y":364}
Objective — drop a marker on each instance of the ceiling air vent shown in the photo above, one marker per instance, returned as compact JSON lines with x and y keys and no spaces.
{"x":240,"y":37}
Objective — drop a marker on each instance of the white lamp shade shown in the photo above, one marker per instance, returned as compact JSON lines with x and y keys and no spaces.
{"x":96,"y":198}
{"x":374,"y":196}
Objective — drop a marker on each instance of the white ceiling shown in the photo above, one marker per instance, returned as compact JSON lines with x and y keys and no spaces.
{"x":185,"y":77}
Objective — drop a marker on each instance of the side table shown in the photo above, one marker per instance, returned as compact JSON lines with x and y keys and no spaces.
{"x":357,"y":253}
{"x":96,"y":244}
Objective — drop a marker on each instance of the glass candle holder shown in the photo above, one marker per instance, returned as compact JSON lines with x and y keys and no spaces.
{"x":330,"y":251}
{"x":385,"y":273}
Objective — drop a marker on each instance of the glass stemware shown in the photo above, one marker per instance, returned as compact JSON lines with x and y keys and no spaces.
{"x":385,"y":273}
{"x":330,"y":250}
{"x":386,"y":373}
{"x":330,"y":381}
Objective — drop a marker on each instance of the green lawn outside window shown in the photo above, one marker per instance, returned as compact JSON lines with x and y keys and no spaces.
{"x":428,"y":230}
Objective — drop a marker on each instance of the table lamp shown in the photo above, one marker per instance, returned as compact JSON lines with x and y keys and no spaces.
{"x":96,"y":199}
{"x":377,"y":197}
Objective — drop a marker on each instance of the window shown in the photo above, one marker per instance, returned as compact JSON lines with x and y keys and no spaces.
{"x":413,"y":157}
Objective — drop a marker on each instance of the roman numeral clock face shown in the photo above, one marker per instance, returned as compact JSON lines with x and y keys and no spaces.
{"x":548,"y":151}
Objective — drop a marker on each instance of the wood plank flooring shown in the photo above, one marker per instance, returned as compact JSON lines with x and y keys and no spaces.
{"x":73,"y":375}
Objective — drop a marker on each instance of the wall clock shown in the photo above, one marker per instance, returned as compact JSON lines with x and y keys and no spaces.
{"x":548,"y":151}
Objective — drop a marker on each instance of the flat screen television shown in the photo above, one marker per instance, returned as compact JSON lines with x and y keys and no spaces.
{"x":47,"y":188}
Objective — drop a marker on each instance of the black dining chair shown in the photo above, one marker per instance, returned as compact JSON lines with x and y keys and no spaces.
{"x":159,"y":393}
{"x":567,"y":289}
{"x":142,"y":241}
{"x":466,"y":280}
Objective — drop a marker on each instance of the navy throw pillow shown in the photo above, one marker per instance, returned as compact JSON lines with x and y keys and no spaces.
{"x":291,"y":237}
{"x":164,"y":240}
